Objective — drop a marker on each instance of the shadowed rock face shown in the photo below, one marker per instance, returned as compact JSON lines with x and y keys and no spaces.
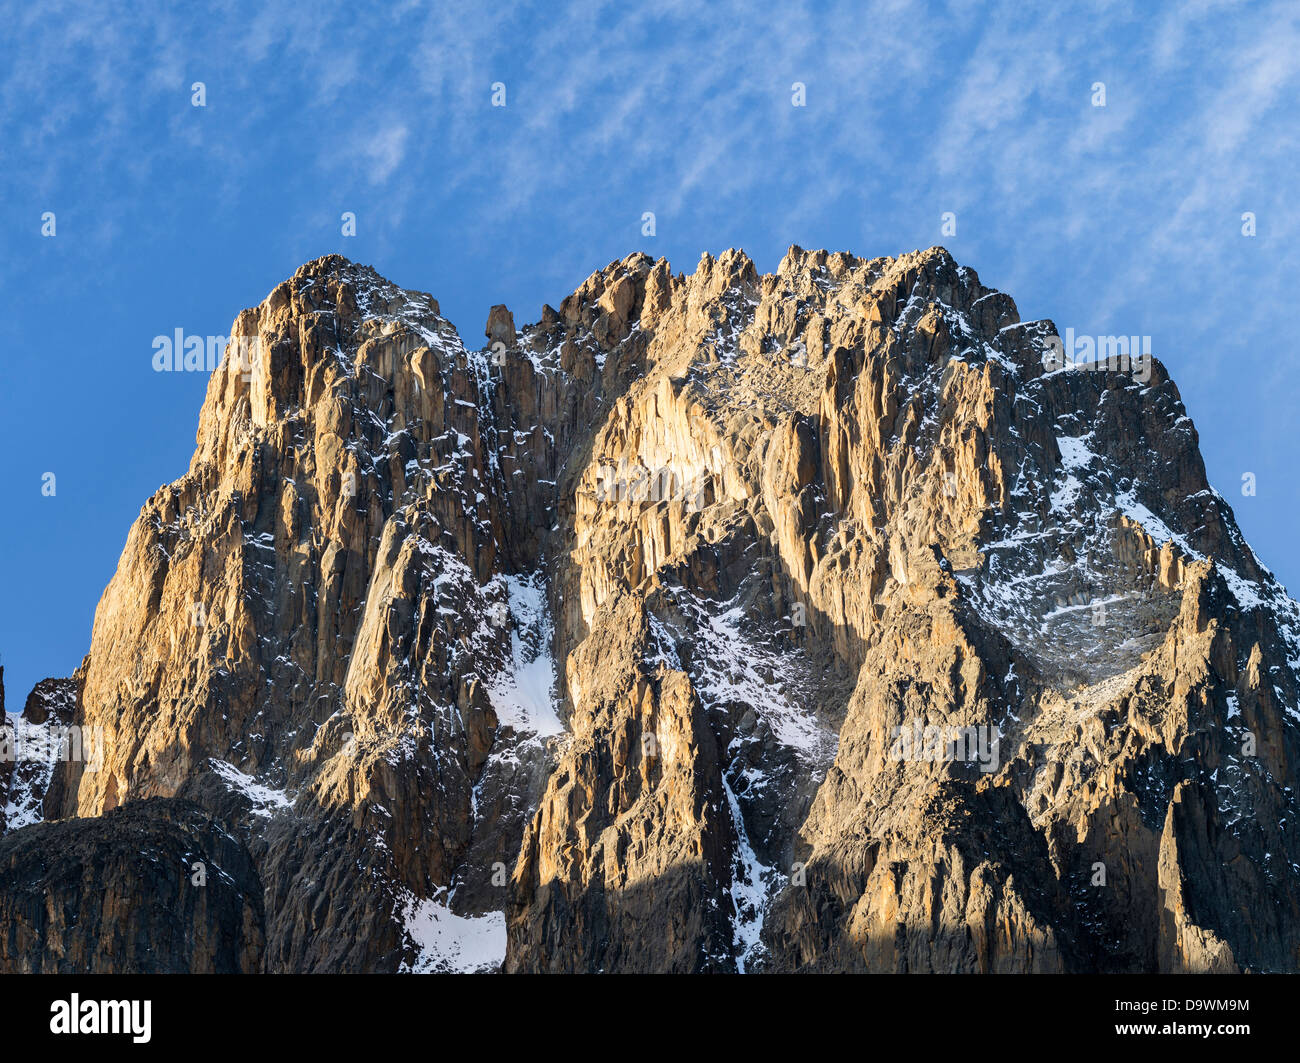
{"x":814,"y":620}
{"x":155,"y":886}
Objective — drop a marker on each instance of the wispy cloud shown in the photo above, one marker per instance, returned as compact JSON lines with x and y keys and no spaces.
{"x":1123,"y":218}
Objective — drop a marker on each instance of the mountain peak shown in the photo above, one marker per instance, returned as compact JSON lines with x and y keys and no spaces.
{"x":814,"y":620}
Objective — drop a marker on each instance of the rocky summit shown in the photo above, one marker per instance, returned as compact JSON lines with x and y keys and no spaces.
{"x":820,"y":620}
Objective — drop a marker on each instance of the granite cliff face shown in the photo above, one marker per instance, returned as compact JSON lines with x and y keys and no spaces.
{"x":820,"y":620}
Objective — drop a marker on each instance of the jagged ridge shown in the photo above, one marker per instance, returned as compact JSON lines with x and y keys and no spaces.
{"x":763,"y":525}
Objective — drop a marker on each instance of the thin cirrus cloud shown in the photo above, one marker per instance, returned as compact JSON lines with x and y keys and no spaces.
{"x":621,"y":97}
{"x":1119,"y":219}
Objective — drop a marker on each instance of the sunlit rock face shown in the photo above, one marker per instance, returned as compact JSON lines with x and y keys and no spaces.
{"x":811,"y":621}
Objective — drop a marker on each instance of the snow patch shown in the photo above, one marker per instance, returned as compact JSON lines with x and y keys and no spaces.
{"x":1152,"y":525}
{"x":1246,"y":593}
{"x":449,"y":943}
{"x":1075,"y":453}
{"x":265,"y":800}
{"x":748,"y":890}
{"x":35,"y":752}
{"x":736,"y":670}
{"x":523,"y":695}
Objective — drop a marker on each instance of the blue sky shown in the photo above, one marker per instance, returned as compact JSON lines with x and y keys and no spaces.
{"x":1116,"y":219}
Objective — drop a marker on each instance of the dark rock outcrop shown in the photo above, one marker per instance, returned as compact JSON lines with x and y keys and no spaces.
{"x":154,"y":887}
